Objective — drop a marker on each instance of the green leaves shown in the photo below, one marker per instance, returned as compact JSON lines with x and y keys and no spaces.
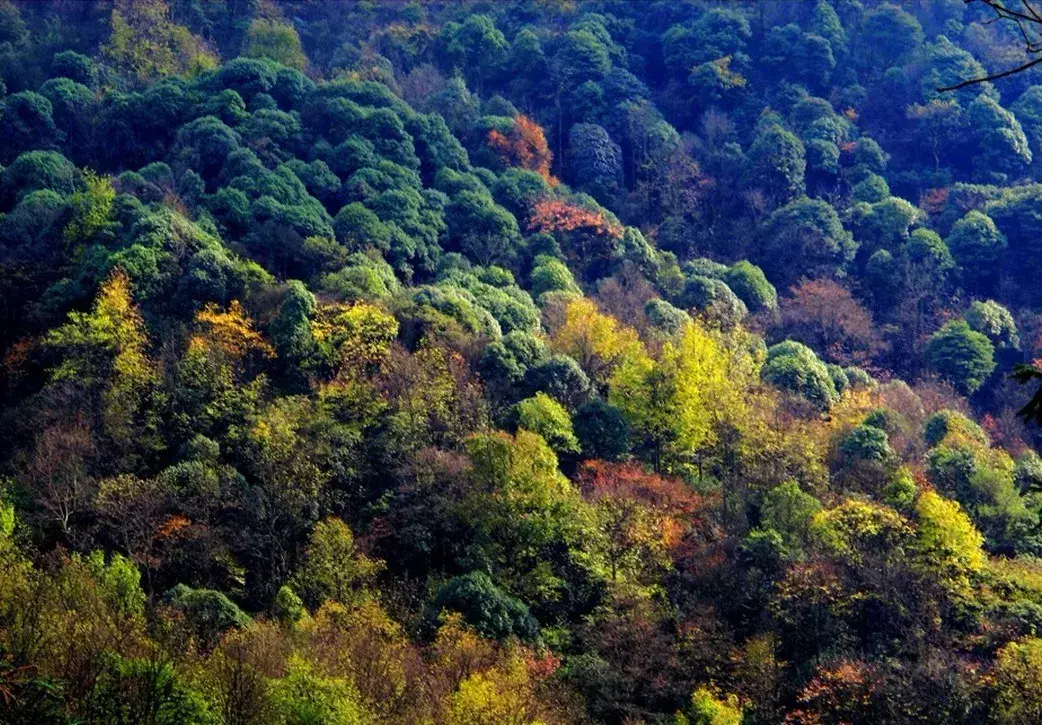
{"x":962,"y":356}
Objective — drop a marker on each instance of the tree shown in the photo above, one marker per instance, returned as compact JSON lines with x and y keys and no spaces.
{"x":525,"y":147}
{"x":551,"y":275}
{"x":1016,"y":682}
{"x":481,"y":229}
{"x":582,"y":57}
{"x":750,"y":284}
{"x":595,"y":160}
{"x":642,"y":517}
{"x":978,"y":246}
{"x":888,"y":34}
{"x":277,"y":41}
{"x":92,"y":209}
{"x":672,"y":403}
{"x":1004,"y":149}
{"x":210,"y":612}
{"x":531,"y":526}
{"x":74,"y":106}
{"x":962,"y":356}
{"x":291,"y":329}
{"x":595,"y":340}
{"x":788,"y":510}
{"x":884,"y":224}
{"x":706,"y":708}
{"x":106,"y":352}
{"x":990,"y":318}
{"x":133,"y":510}
{"x":484,"y":606}
{"x":28,"y":122}
{"x":477,"y":47}
{"x":591,"y":241}
{"x":778,"y":163}
{"x":825,"y":316}
{"x":306,"y":695}
{"x":145,"y":44}
{"x":602,"y":431}
{"x":543,"y":415}
{"x":805,"y":239}
{"x":36,"y":170}
{"x":948,"y":543}
{"x":795,"y":368}
{"x":332,"y":567}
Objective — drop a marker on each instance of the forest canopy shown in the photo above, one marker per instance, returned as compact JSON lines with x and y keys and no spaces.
{"x":529,"y":362}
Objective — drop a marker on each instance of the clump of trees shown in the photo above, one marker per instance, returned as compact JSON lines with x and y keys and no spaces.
{"x":522,"y":362}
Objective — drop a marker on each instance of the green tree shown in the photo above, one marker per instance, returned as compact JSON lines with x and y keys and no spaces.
{"x":805,"y":238}
{"x":750,"y":284}
{"x":484,"y":606}
{"x":962,"y":356}
{"x":543,"y":415}
{"x":978,"y":247}
{"x":602,"y":431}
{"x":277,"y":41}
{"x":990,"y":318}
{"x":778,"y":163}
{"x":793,"y":367}
{"x":332,"y":567}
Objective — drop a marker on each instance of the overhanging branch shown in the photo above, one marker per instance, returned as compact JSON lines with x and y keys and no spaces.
{"x":993,"y":76}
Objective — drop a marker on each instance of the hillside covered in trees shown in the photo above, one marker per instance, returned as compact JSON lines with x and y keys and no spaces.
{"x":511,"y":363}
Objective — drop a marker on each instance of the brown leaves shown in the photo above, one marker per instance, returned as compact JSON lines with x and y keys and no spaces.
{"x":558,"y":216}
{"x":524,"y":146}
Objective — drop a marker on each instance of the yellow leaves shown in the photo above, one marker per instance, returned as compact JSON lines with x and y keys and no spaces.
{"x":856,"y":529}
{"x":711,"y":708}
{"x":364,"y":645}
{"x":598,"y":342}
{"x":146,"y":44}
{"x":523,"y":467}
{"x":949,"y":542}
{"x":501,"y":695}
{"x":333,"y":567}
{"x":358,"y":336}
{"x":111,"y":338}
{"x":1017,"y":680}
{"x":230,"y":332}
{"x":91,"y":210}
{"x":675,"y":402}
{"x":729,"y":76}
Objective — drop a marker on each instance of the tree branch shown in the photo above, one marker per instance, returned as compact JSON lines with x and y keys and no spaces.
{"x":993,"y":76}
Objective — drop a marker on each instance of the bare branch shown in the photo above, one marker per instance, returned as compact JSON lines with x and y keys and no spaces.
{"x":993,"y":76}
{"x":1002,"y":12}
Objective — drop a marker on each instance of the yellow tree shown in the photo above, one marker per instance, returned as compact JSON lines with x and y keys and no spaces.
{"x":948,"y":543}
{"x":104,"y":351}
{"x":91,"y":211}
{"x":333,"y":567}
{"x":675,"y":402}
{"x":229,"y":332}
{"x":355,"y":339}
{"x":1017,"y":681}
{"x":532,"y":525}
{"x":146,"y":44}
{"x":598,"y":342}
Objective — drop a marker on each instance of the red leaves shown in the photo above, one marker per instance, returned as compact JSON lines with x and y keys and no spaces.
{"x":935,"y":200}
{"x":558,"y":216}
{"x":601,"y":479}
{"x":524,"y":146}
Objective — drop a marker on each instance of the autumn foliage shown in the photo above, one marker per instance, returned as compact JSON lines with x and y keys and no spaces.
{"x":552,"y":215}
{"x":524,"y":146}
